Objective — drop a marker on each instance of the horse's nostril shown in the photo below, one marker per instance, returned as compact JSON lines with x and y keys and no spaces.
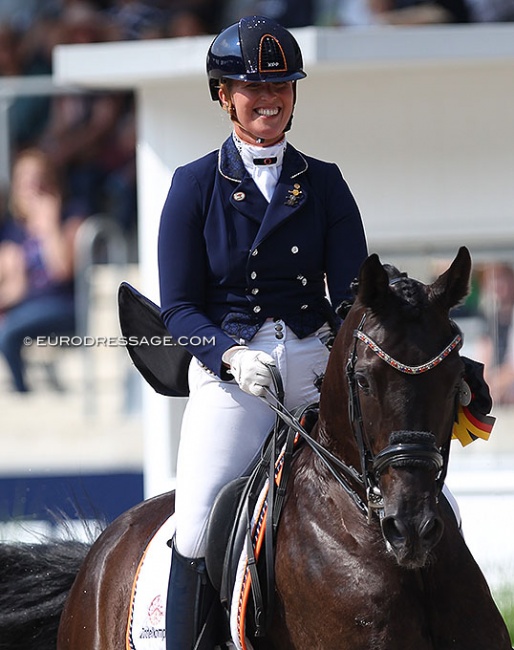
{"x":394,"y":531}
{"x":431,"y":530}
{"x":398,"y":533}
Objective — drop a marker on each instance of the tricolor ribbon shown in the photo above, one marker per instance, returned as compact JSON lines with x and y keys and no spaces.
{"x":473,"y":420}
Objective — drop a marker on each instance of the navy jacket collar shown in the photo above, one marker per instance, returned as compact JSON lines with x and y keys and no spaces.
{"x":230,"y":163}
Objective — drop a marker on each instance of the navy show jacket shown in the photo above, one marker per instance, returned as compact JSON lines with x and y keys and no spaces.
{"x":228,"y":259}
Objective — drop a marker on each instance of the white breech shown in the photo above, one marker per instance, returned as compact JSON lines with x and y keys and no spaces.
{"x":224,"y":428}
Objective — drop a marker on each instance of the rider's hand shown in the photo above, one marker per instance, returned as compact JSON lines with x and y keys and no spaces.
{"x":248,"y":369}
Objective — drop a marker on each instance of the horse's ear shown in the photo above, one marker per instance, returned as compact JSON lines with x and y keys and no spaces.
{"x":373,"y":283}
{"x":452,"y":286}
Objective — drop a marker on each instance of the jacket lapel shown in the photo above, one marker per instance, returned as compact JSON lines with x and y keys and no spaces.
{"x":245,"y":196}
{"x":289,"y":195}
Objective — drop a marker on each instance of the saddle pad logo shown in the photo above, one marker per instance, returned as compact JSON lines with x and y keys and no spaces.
{"x":156,"y":611}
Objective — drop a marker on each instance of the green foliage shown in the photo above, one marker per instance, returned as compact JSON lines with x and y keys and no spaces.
{"x":504,"y":597}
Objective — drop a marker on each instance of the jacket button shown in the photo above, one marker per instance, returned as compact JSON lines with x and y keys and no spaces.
{"x":304,"y":307}
{"x":255,"y":252}
{"x":294,"y":250}
{"x":256,"y":309}
{"x":253,"y":275}
{"x":255,"y":291}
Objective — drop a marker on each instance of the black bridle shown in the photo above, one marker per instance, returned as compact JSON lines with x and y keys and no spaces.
{"x":422,"y":450}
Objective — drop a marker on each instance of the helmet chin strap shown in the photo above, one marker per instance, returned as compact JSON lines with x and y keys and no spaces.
{"x":260,"y":141}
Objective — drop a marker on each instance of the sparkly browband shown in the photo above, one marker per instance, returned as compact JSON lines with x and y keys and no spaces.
{"x":409,"y":370}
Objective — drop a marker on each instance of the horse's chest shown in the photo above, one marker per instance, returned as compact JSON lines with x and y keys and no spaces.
{"x":341,"y":588}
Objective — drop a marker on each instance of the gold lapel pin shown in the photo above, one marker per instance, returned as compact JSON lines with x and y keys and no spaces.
{"x":295,"y":195}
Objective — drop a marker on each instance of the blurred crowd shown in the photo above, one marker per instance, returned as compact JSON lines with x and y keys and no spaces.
{"x":495,"y":309}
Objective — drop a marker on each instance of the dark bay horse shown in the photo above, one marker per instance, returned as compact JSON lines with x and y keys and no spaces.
{"x":369,"y":555}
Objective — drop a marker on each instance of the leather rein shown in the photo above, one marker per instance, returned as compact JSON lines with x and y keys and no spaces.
{"x":367,"y":479}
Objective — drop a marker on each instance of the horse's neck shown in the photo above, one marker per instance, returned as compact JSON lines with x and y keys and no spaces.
{"x":335,"y":430}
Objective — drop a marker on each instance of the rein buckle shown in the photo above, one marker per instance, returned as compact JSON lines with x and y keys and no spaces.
{"x":375,"y":501}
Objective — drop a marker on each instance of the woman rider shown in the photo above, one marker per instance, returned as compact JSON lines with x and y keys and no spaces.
{"x":258,"y":245}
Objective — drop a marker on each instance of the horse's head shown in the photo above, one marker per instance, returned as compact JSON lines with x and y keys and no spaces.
{"x":396,"y":357}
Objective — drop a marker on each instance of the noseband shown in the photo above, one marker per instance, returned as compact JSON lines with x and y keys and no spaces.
{"x":417,"y":448}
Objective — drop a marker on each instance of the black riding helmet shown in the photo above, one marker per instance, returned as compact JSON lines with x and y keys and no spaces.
{"x":254,"y":49}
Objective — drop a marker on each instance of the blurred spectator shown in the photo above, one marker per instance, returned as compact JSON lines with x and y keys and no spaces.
{"x":83,"y":22}
{"x":18,"y":15}
{"x":27,"y":116}
{"x":10,"y":63}
{"x":420,"y":12}
{"x":489,"y":11}
{"x":497,"y":306}
{"x":119,"y":184}
{"x":36,"y":263}
{"x":289,"y":13}
{"x":391,"y":12}
{"x":335,"y":13}
{"x":495,"y":346}
{"x":186,"y":23}
{"x":78,"y":139}
{"x":86,"y":134}
{"x":209,"y":13}
{"x":132,"y":19}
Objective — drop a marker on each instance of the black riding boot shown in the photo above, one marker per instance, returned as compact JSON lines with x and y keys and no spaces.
{"x":191,"y":598}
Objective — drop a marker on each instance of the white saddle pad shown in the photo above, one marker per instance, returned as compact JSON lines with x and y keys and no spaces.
{"x":146,"y":628}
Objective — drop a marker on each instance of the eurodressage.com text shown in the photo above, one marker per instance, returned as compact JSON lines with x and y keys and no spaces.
{"x":118,"y":341}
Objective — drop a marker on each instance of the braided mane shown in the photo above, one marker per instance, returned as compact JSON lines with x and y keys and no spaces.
{"x":410,"y":292}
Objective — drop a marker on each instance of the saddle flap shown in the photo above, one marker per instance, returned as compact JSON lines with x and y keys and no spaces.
{"x":223,"y":514}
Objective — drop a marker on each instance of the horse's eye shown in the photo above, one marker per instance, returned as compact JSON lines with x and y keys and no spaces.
{"x":362,"y":382}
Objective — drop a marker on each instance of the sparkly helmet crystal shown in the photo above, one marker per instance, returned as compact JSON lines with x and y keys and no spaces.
{"x":254,"y":49}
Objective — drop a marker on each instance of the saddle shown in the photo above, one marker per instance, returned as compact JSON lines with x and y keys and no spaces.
{"x":242,"y":530}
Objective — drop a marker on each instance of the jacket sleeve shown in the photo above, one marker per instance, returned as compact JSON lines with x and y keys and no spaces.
{"x":182,"y":272}
{"x":345,"y":244}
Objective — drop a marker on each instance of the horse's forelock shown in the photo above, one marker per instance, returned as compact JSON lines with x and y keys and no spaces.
{"x":412,"y":293}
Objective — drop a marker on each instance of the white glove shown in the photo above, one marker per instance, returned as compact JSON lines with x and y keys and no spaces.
{"x":247,"y":367}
